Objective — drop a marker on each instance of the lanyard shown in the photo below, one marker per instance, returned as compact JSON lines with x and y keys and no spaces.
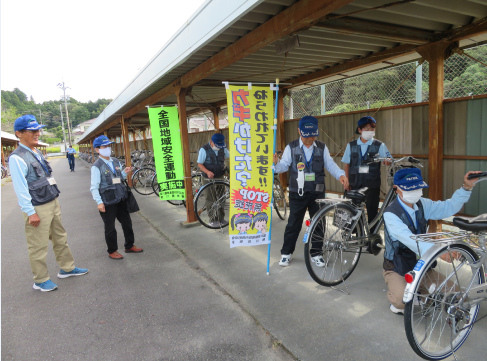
{"x":112,"y":169}
{"x":41,"y":162}
{"x":416,"y":230}
{"x":312,"y":156}
{"x":366,"y":152}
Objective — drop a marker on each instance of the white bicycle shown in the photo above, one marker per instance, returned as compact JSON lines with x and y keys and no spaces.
{"x":445,"y":289}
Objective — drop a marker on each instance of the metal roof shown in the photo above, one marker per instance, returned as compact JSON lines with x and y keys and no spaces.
{"x":331,"y":41}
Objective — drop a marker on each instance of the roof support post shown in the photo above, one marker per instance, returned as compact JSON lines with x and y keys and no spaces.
{"x":435,"y":55}
{"x":145,"y":139}
{"x":183,"y":126}
{"x":126,"y":148}
{"x":281,"y":136}
{"x":3,"y":157}
{"x":92,"y":149}
{"x":216,"y":118}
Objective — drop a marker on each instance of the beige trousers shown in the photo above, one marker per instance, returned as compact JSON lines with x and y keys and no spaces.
{"x":396,"y":285}
{"x":38,"y":237}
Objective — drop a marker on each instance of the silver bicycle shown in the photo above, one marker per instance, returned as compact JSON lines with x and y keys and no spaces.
{"x":444,"y":291}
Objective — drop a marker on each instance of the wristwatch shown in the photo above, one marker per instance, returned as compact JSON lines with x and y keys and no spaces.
{"x":467,"y":189}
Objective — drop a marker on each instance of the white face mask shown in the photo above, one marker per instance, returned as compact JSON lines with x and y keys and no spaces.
{"x":106,"y":152}
{"x":368,"y":135}
{"x":412,"y":197}
{"x":215,"y":148}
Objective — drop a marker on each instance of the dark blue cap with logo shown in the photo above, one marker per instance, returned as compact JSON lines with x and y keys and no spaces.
{"x":101,"y":140}
{"x":409,"y":179}
{"x":27,"y":122}
{"x":364,"y":120}
{"x":219,"y":140}
{"x":308,"y":126}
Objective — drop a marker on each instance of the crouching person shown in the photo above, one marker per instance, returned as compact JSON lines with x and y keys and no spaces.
{"x":408,"y":215}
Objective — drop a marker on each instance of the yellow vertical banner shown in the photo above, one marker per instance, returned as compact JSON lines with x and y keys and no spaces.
{"x":251,"y":137}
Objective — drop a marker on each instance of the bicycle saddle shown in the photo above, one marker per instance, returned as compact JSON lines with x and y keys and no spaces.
{"x":358,"y":195}
{"x":477,"y":224}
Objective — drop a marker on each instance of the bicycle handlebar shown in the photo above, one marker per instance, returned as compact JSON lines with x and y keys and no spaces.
{"x":477,"y":175}
{"x":410,"y":159}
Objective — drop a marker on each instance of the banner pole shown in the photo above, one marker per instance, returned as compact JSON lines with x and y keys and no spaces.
{"x":273,"y":174}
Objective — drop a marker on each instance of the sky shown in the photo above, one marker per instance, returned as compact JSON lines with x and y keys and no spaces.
{"x":96,"y":47}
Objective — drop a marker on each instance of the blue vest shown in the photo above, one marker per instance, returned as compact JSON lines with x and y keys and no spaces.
{"x":37,"y":178}
{"x":359,"y":180}
{"x":401,"y":256}
{"x":317,"y":166}
{"x":110,"y":193}
{"x":214,"y":163}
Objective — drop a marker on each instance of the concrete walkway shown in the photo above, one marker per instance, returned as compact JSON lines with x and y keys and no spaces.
{"x":189,"y":296}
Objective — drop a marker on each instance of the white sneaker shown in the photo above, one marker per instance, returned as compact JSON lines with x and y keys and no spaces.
{"x":318,"y":260}
{"x":395,"y":310}
{"x":285,"y":260}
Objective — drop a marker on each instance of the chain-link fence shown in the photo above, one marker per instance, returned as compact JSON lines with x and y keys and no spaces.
{"x":392,"y":86}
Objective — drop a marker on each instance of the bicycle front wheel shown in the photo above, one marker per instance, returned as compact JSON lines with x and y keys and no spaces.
{"x":212,"y":204}
{"x":142,"y":181}
{"x":280,"y":204}
{"x":435,"y":320}
{"x":329,"y":236}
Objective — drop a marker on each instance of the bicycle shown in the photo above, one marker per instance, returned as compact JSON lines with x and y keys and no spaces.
{"x":5,"y":172}
{"x":339,"y":230}
{"x":444,"y":291}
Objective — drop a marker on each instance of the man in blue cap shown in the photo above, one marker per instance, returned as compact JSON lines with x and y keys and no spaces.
{"x":407,"y":215}
{"x":37,"y":193}
{"x":306,"y":158}
{"x":110,"y":194}
{"x":211,"y":161}
{"x":70,"y":152}
{"x":362,"y":175}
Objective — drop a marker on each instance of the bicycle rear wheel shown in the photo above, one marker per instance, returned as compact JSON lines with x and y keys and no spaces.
{"x":329,"y":236}
{"x":280,"y":204}
{"x":212,"y":204}
{"x":142,"y":181}
{"x":433,"y":328}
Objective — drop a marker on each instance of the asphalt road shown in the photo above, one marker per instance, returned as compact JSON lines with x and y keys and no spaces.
{"x":156,"y":305}
{"x":189,"y":296}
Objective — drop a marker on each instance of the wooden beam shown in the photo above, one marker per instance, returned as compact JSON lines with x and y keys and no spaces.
{"x":281,"y":136}
{"x":372,"y":29}
{"x":216,"y":118}
{"x":126,"y":148}
{"x":92,"y":149}
{"x":183,"y":126}
{"x":302,"y":14}
{"x":353,"y":64}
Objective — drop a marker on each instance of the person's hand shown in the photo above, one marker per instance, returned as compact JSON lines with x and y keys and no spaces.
{"x":344,"y":181}
{"x":128,"y":169}
{"x":275,"y":158}
{"x":470,"y":183}
{"x":101,"y":207}
{"x":34,"y":220}
{"x":210,"y":174}
{"x":387,"y":162}
{"x":454,"y":255}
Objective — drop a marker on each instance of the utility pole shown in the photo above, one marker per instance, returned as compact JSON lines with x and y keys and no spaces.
{"x":62,"y":124}
{"x":64,"y":87}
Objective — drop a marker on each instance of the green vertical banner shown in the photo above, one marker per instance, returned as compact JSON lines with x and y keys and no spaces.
{"x":166,"y":142}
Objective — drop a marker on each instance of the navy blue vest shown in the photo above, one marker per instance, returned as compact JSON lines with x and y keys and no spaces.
{"x":111,"y":193}
{"x":214,"y":163}
{"x":40,"y":189}
{"x":359,"y":180}
{"x":317,"y":166}
{"x":402,"y":257}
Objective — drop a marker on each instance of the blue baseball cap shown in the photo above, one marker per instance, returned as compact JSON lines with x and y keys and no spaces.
{"x":28,"y":122}
{"x":219,"y":140}
{"x":308,"y":126}
{"x":364,"y":120}
{"x":409,"y":179}
{"x":101,"y":140}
